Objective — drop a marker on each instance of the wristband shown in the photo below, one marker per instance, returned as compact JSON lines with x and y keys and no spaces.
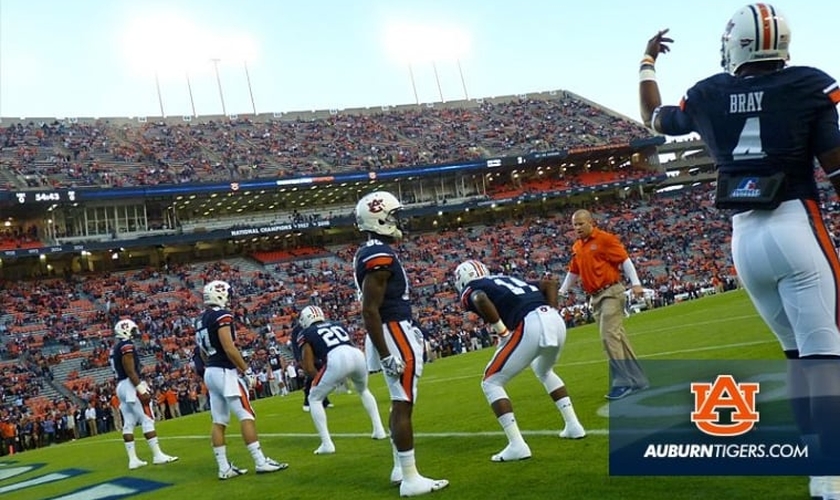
{"x":647,"y":75}
{"x":499,"y":327}
{"x":648,"y":59}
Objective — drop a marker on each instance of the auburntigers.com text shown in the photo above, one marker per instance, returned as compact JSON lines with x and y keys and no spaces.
{"x":752,"y":451}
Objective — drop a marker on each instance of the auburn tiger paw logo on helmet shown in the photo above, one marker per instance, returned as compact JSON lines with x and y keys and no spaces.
{"x":376,"y":205}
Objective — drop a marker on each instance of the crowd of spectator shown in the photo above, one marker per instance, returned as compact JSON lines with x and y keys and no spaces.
{"x":74,"y":154}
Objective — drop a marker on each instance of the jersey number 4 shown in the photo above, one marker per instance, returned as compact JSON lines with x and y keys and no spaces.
{"x":749,"y":145}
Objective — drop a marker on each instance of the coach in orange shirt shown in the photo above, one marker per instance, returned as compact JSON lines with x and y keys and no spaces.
{"x":598,"y":260}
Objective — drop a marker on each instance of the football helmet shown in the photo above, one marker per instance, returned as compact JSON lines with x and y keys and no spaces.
{"x":757,"y":32}
{"x":217,"y":293}
{"x":125,"y":329}
{"x":467,"y":271}
{"x":310,"y":315}
{"x":377,"y":212}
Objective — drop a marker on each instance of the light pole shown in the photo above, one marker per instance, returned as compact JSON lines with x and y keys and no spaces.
{"x":189,"y":89}
{"x":437,"y":79}
{"x":463,"y":82}
{"x":413,"y":85}
{"x":250,"y":91}
{"x":160,"y":98}
{"x":219,"y":83}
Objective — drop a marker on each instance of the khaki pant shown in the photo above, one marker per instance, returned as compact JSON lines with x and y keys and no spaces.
{"x":608,"y":309}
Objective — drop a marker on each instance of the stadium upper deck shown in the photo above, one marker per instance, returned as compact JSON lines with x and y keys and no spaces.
{"x":48,"y":153}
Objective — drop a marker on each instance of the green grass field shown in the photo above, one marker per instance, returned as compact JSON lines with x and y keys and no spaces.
{"x":455,"y":432}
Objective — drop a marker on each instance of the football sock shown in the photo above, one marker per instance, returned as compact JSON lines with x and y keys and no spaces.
{"x":319,"y":418}
{"x":508,"y":423}
{"x":221,"y":457}
{"x":154,"y":445}
{"x":256,"y":452}
{"x":407,"y":464}
{"x":567,"y":410}
{"x":132,"y":452}
{"x":369,"y":402}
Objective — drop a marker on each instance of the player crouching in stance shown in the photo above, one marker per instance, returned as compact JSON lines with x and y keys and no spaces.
{"x":327,"y":340}
{"x":134,"y":395}
{"x":537,"y":340}
{"x":228,"y":381}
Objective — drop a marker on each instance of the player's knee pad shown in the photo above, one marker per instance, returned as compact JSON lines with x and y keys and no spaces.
{"x":128,"y":424}
{"x":551,"y":381}
{"x":241,"y":412}
{"x":493,"y":390}
{"x":148,"y":424}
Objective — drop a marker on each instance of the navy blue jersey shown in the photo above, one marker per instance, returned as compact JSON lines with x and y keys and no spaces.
{"x":513,"y":298}
{"x":207,"y":336}
{"x":765,"y":124}
{"x":119,"y":350}
{"x":295,"y":346}
{"x":374,"y":255}
{"x":323,"y":337}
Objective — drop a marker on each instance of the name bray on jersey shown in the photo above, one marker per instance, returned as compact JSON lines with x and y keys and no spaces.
{"x":120,"y":349}
{"x":323,"y":337}
{"x":762,"y":124}
{"x":513,"y":297}
{"x":207,"y":336}
{"x":372,"y":256}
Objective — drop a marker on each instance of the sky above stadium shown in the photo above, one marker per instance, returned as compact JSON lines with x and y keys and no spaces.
{"x":108,"y":58}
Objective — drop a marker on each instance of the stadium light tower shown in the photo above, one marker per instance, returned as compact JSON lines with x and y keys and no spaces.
{"x":463,"y":82}
{"x":189,"y":89}
{"x":437,"y":79}
{"x":160,"y":98}
{"x":219,"y":83}
{"x":413,"y":85}
{"x":250,"y":91}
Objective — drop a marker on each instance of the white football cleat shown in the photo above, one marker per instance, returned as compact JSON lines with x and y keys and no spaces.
{"x":396,"y":475}
{"x":379,"y":434}
{"x":136,"y":464}
{"x":421,"y":485}
{"x":815,"y":486}
{"x":512,"y":453}
{"x":232,"y":471}
{"x":270,"y":465}
{"x":325,"y":449}
{"x":573,"y":432}
{"x":306,"y":408}
{"x":830,"y":487}
{"x":164,"y":459}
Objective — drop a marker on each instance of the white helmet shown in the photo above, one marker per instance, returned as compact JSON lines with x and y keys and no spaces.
{"x":310,"y":315}
{"x":217,"y":293}
{"x":377,"y":212}
{"x":757,"y":32}
{"x":467,"y":271}
{"x":125,"y":329}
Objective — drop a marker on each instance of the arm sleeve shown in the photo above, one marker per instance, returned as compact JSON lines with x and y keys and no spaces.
{"x":568,"y":281}
{"x":630,"y":272}
{"x":672,"y":120}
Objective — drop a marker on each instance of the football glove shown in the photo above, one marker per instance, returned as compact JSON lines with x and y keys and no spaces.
{"x":249,"y":379}
{"x":142,"y":388}
{"x":392,"y":366}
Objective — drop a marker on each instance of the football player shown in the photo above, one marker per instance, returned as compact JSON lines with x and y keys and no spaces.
{"x":134,"y":395}
{"x":765,"y":123}
{"x":307,"y":380}
{"x":328,"y":340}
{"x":228,"y":379}
{"x":383,"y":290}
{"x":536,"y":340}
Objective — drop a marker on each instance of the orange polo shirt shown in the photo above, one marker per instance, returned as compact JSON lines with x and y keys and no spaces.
{"x":597,"y":260}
